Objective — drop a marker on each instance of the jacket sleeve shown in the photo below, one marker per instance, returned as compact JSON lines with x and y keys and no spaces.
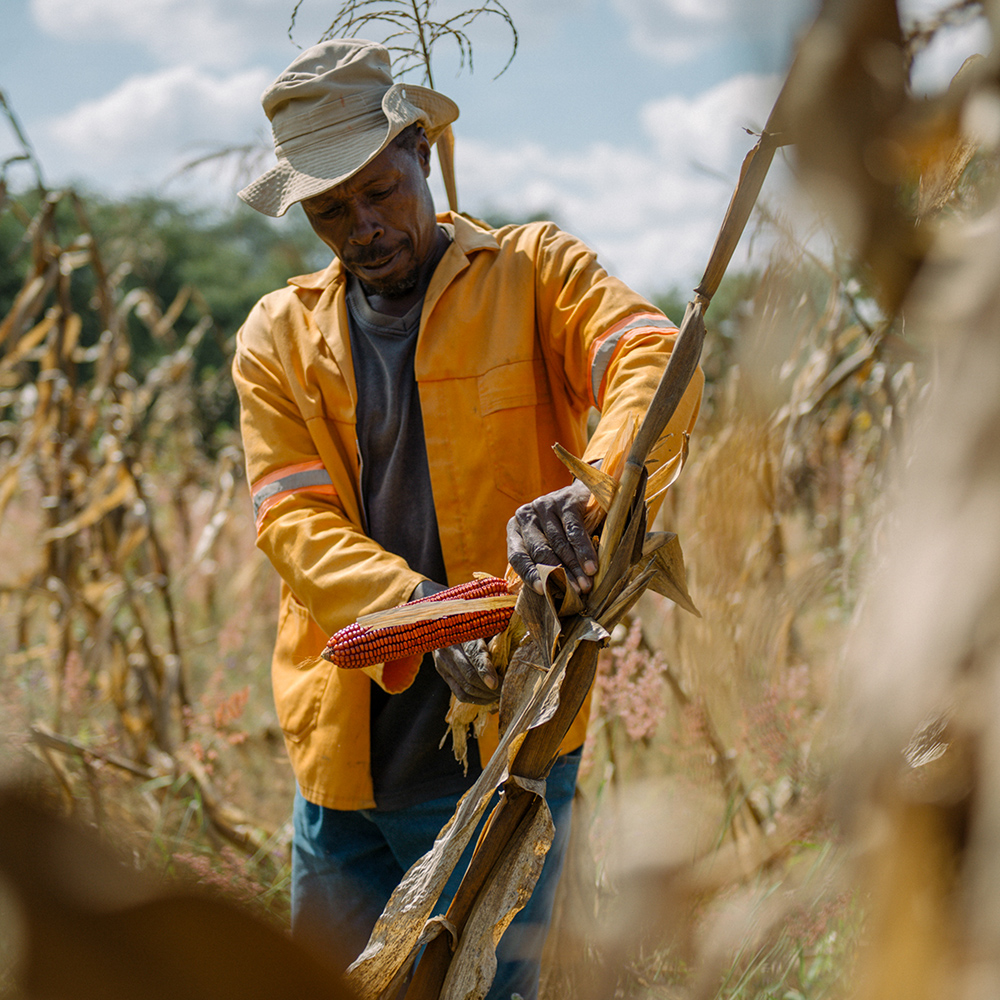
{"x":303,"y":486}
{"x":610,"y":343}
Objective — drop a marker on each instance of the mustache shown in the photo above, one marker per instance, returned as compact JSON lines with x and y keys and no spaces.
{"x":372,"y":255}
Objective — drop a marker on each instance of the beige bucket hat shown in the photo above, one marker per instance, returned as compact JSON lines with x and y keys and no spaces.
{"x":333,"y":111}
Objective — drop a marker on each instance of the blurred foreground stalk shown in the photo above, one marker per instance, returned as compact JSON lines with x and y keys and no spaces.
{"x":919,"y":741}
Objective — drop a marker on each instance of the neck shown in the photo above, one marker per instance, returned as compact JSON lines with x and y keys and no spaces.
{"x":401,"y":305}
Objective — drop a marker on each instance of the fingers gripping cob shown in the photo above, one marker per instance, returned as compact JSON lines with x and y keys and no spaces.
{"x":425,"y":624}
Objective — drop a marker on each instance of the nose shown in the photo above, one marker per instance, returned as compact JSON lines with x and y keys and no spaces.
{"x":367,"y":227}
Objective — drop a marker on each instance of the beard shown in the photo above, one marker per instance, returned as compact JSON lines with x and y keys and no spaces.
{"x":392,"y":286}
{"x":396,"y":287}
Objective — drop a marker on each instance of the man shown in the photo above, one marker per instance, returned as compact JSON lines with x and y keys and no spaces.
{"x":398,"y":409}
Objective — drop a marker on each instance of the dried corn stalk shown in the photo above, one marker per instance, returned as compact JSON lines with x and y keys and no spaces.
{"x":80,"y":433}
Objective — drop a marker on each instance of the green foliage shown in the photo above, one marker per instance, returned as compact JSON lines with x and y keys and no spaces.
{"x":231,"y":259}
{"x":498,"y":218}
{"x":225,"y":261}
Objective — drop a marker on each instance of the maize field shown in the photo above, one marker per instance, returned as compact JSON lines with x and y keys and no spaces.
{"x":791,"y":794}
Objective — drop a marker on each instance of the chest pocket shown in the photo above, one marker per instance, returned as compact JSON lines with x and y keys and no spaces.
{"x":513,"y":401}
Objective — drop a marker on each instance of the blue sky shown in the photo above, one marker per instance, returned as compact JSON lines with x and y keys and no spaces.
{"x":624,"y":119}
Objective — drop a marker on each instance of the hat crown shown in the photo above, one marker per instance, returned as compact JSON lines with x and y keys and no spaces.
{"x":323,"y":82}
{"x":333,"y":110}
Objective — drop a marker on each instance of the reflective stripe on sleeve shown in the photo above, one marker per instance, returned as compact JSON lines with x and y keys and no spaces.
{"x":266,"y":492}
{"x":603,"y":350}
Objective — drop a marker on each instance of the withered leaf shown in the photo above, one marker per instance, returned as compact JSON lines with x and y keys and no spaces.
{"x":538,"y":612}
{"x":602,"y":486}
{"x":666,"y":475}
{"x":398,"y":930}
{"x":523,"y":674}
{"x":670,"y":578}
{"x":628,"y":550}
{"x":474,"y":965}
{"x":120,"y":492}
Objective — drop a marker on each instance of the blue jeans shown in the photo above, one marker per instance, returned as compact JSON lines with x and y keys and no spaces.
{"x":345,"y":866}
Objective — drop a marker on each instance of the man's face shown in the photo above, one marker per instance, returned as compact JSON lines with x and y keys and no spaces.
{"x":381,"y":221}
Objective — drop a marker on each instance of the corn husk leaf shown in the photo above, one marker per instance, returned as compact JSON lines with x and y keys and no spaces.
{"x":539,"y":614}
{"x":601,"y":485}
{"x":522,"y":676}
{"x":474,"y":964}
{"x":407,"y":614}
{"x":666,"y":475}
{"x":670,"y":578}
{"x":397,"y":932}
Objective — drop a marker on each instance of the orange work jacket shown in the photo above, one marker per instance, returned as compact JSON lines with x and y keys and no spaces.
{"x":521,"y":333}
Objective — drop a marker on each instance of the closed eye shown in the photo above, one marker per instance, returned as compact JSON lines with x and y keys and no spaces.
{"x":329,"y":212}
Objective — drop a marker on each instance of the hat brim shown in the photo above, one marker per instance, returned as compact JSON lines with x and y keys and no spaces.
{"x":318,"y":166}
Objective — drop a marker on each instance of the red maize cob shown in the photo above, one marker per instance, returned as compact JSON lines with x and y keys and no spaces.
{"x":359,"y":646}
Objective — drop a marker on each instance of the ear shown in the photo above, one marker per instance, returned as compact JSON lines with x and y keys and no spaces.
{"x":424,"y":153}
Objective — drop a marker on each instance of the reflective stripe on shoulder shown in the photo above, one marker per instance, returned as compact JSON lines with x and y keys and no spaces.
{"x":603,"y":350}
{"x":266,"y":492}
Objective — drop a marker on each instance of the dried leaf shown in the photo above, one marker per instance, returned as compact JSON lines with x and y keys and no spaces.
{"x":503,"y":646}
{"x":602,"y":486}
{"x":615,"y":572}
{"x":538,"y":612}
{"x":407,"y":614}
{"x":546,"y":695}
{"x":666,"y":475}
{"x":473,"y":967}
{"x":120,"y":493}
{"x":28,"y":301}
{"x":133,"y":535}
{"x":398,"y":930}
{"x":670,"y":578}
{"x":71,"y":335}
{"x":29,"y":341}
{"x":524,"y":672}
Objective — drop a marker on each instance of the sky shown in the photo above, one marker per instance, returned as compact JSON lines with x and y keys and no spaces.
{"x":624,"y":120}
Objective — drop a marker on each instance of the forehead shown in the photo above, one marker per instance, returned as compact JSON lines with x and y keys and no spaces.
{"x":387,"y":166}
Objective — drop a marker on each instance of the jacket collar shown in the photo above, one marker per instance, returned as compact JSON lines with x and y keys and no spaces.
{"x":470,"y":236}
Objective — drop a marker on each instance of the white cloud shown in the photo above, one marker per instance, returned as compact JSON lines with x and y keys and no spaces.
{"x":651,"y":212}
{"x":681,"y":30}
{"x":650,"y":207}
{"x":205,"y":32}
{"x":710,"y":128}
{"x":226,"y":32}
{"x":151,"y":124}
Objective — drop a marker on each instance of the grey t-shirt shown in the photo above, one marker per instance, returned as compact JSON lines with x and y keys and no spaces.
{"x":408,"y":764}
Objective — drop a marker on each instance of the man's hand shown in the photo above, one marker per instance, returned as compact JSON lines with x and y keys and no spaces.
{"x":466,"y":668}
{"x":549,"y":531}
{"x":468,"y":671}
